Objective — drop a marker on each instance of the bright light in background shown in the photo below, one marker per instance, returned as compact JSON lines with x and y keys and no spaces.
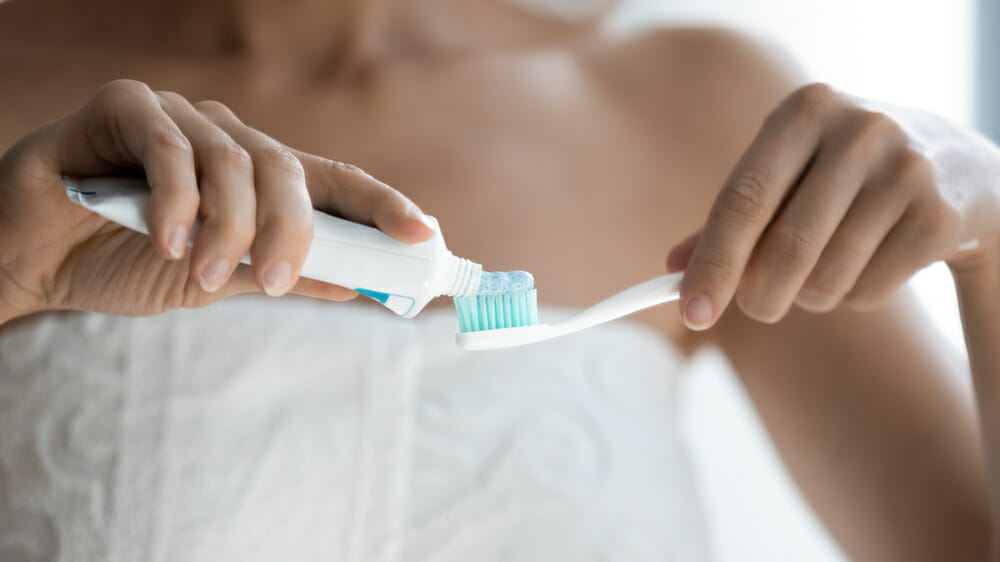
{"x":915,"y":53}
{"x":909,"y":52}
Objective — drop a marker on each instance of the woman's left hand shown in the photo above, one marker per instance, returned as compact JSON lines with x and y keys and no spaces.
{"x":838,"y":200}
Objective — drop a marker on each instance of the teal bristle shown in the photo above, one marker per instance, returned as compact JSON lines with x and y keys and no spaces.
{"x":505,"y":300}
{"x":492,"y":312}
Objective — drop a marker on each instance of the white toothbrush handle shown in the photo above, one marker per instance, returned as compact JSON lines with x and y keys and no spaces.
{"x":656,"y":291}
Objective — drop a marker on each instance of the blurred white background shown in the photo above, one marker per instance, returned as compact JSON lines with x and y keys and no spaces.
{"x":917,"y":53}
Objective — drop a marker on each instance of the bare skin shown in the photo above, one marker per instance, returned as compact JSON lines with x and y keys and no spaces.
{"x":550,"y":148}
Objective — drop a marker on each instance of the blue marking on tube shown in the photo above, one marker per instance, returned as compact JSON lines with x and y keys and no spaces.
{"x":374,"y":295}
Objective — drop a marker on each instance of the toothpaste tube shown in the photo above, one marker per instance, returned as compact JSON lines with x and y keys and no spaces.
{"x":402,"y":277}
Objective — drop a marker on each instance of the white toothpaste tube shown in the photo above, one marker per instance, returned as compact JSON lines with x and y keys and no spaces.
{"x":403,"y":277}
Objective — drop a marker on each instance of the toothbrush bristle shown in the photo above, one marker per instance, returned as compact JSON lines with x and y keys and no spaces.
{"x":494,"y":311}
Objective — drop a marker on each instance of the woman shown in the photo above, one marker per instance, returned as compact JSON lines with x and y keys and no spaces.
{"x":540,"y":144}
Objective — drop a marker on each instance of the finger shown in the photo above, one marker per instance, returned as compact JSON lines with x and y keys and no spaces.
{"x":747,"y":203}
{"x":792,"y":245}
{"x":228,"y":203}
{"x":925,"y":234}
{"x":124,"y":125}
{"x":242,"y":281}
{"x":320,"y":290}
{"x":351,"y":193}
{"x":284,"y":208}
{"x":877,"y":209}
{"x":680,"y":255}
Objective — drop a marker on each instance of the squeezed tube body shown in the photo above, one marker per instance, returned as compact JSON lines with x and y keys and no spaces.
{"x":402,"y":277}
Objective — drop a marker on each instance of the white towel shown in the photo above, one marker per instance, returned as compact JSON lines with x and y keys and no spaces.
{"x":299,"y":431}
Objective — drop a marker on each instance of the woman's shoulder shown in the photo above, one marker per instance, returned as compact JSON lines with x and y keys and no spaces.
{"x":739,"y":76}
{"x":705,"y":50}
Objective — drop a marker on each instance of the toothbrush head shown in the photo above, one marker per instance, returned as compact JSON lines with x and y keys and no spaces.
{"x":505,"y":300}
{"x":500,"y":333}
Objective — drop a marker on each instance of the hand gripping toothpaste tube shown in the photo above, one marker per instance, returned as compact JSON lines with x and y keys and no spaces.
{"x":403,"y":277}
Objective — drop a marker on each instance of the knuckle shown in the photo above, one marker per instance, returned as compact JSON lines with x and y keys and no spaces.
{"x":346,"y":168}
{"x":791,"y":246}
{"x":228,"y":153}
{"x":121,"y":88}
{"x":344,"y":175}
{"x":746,"y":196}
{"x":292,"y":220}
{"x":712,"y":265}
{"x":169,"y":98}
{"x":213,"y":108}
{"x":168,"y":138}
{"x":375,"y":191}
{"x":812,"y":99}
{"x":280,"y":158}
{"x":113,"y":96}
{"x":913,"y":169}
{"x":875,"y":127}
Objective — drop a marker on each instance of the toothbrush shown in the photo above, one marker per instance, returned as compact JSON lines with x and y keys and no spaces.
{"x":509,"y":333}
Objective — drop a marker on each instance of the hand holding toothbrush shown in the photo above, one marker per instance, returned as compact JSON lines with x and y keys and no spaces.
{"x":836,"y":201}
{"x":251,"y":193}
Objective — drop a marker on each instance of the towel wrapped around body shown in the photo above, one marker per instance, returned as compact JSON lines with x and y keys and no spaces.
{"x":298,"y":431}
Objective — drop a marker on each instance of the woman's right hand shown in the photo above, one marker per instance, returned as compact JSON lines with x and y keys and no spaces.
{"x":251,"y":193}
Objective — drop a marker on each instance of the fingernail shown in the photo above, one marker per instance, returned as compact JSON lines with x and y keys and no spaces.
{"x":177,"y":241}
{"x":213,"y":275}
{"x":698,"y":313}
{"x":414,"y":212}
{"x":277,"y":279}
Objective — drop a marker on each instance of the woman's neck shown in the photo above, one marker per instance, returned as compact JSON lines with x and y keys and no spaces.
{"x":328,"y":33}
{"x":218,"y":27}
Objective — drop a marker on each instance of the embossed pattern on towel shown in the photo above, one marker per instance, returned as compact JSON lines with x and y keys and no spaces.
{"x":276,"y":430}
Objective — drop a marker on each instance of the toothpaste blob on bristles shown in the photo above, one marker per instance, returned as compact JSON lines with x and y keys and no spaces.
{"x":502,"y":282}
{"x":505,"y":299}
